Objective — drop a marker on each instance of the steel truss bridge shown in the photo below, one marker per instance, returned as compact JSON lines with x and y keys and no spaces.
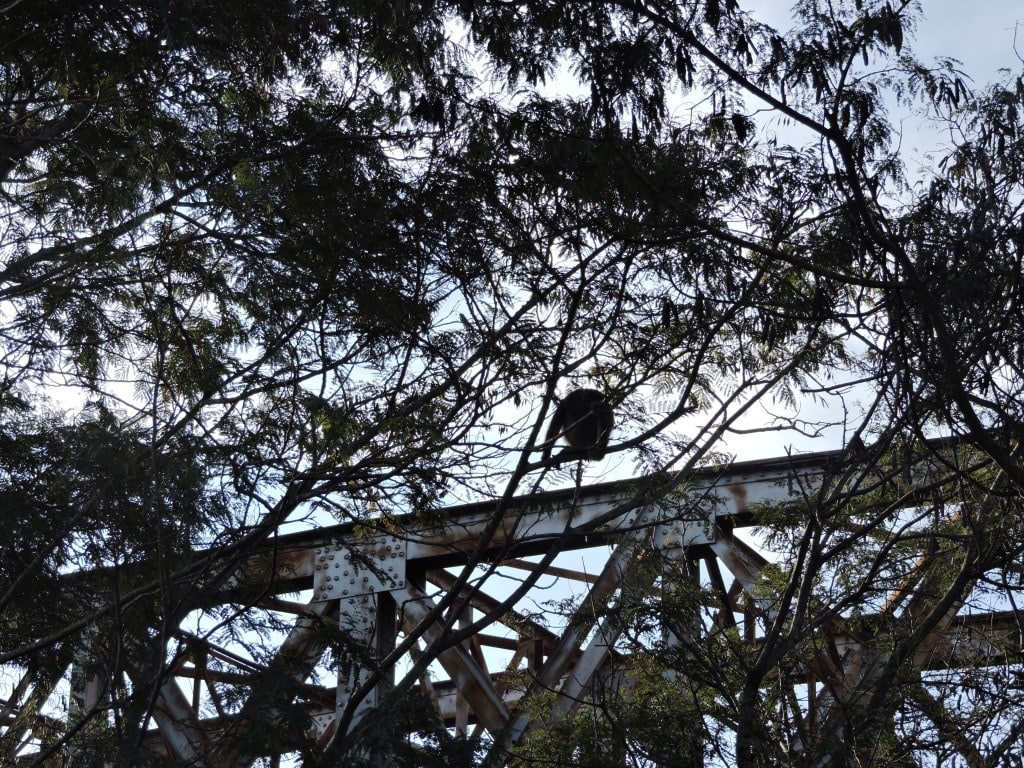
{"x":399,"y":596}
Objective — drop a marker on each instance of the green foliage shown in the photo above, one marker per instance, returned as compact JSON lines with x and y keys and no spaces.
{"x":295,"y":263}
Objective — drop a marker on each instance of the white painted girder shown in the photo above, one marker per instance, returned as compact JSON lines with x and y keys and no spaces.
{"x":686,"y":509}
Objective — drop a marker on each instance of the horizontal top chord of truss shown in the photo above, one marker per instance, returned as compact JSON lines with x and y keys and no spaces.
{"x":685,"y":509}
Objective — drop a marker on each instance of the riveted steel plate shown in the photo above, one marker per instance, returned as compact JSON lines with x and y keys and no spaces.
{"x":365,"y":568}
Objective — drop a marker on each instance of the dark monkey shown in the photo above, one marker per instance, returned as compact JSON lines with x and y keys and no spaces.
{"x":584,"y":419}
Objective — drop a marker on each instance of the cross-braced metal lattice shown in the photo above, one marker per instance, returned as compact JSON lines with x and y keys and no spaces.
{"x":399,"y":597}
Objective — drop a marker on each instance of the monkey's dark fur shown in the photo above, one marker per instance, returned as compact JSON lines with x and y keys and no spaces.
{"x":584,"y":420}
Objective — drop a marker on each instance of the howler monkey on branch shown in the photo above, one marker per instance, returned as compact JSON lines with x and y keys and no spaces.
{"x":584,"y":420}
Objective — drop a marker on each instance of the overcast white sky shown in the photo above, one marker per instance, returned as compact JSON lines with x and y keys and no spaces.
{"x":981,"y":34}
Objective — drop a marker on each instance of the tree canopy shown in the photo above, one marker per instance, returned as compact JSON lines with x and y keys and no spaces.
{"x":272,"y":265}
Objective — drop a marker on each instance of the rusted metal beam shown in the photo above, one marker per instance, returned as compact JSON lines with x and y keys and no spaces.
{"x":696,"y":519}
{"x":473,"y":682}
{"x":295,"y":660}
{"x":551,"y":570}
{"x":581,"y":518}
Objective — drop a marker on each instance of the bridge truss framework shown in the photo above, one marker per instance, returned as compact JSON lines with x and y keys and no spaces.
{"x":402,"y":598}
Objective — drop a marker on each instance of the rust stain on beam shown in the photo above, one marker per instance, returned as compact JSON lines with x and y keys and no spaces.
{"x":551,"y":570}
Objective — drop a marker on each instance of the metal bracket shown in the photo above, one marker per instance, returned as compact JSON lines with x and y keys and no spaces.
{"x":344,"y":570}
{"x":682,"y":531}
{"x":670,"y":530}
{"x":685,"y":533}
